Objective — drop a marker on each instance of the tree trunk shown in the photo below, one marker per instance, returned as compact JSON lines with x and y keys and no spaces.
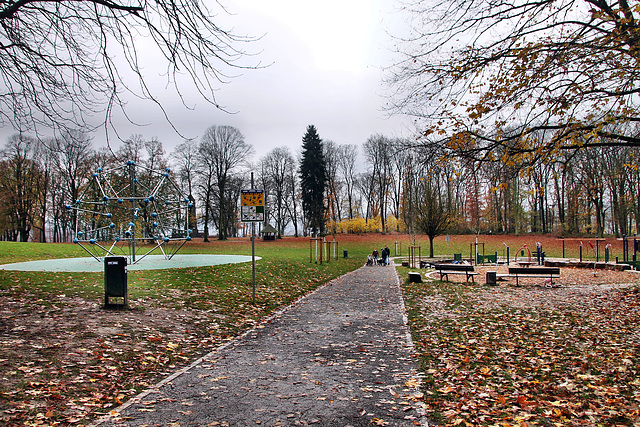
{"x":205,"y":230}
{"x":431,"y":246}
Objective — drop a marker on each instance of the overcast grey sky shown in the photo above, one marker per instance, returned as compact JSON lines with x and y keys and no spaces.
{"x":326,"y":69}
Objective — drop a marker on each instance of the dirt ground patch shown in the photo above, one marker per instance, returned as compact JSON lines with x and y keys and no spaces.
{"x":67,"y":359}
{"x":569,"y":276}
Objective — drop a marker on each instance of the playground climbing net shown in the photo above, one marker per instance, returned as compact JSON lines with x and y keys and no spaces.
{"x":131,"y":211}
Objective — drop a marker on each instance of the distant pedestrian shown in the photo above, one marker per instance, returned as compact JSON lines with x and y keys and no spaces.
{"x":376,"y":255}
{"x":386,"y":253}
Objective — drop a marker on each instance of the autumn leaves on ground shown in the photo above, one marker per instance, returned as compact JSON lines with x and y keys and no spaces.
{"x":528,"y":356}
{"x":502,"y":355}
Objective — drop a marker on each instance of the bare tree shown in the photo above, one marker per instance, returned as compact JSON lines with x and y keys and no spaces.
{"x":432,"y":217}
{"x":205,"y":184}
{"x":400,"y":161}
{"x":222,"y":149}
{"x":276,"y":168}
{"x":184,"y":157}
{"x":20,"y":176}
{"x":44,"y":156}
{"x":347,"y":167}
{"x":376,"y":150}
{"x":616,"y":167}
{"x":63,"y":63}
{"x":155,"y":159}
{"x":331,"y":156}
{"x":232,"y":204}
{"x":367,"y":189}
{"x":60,"y":217}
{"x":593,"y":182}
{"x":294,"y":208}
{"x":131,"y":149}
{"x":73,"y":160}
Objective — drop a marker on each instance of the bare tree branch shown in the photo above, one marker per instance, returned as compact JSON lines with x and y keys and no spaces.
{"x":66,"y":65}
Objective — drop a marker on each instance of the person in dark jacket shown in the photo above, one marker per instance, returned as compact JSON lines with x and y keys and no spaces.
{"x":386,"y":253}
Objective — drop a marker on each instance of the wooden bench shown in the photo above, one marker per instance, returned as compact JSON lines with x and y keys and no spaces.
{"x":446,"y":269}
{"x":546,"y":272}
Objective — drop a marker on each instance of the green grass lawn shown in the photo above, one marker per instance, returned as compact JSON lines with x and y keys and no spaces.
{"x":283,"y":273}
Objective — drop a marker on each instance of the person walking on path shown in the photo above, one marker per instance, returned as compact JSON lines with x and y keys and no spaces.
{"x":339,"y":356}
{"x":386,"y":253}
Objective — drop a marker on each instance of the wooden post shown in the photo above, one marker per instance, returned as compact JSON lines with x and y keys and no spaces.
{"x":318,"y":242}
{"x":412,"y":256}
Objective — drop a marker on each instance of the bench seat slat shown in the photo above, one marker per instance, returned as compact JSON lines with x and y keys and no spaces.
{"x":461,"y":273}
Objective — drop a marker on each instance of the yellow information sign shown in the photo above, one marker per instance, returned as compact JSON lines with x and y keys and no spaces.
{"x":252,"y":205}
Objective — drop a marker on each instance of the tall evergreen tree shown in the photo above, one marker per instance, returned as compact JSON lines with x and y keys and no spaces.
{"x":313,"y":177}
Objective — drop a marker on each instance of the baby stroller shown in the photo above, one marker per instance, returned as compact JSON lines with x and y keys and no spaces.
{"x":369,"y":261}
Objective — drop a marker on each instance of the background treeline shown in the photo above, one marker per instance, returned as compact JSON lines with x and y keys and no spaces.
{"x":378,"y":186}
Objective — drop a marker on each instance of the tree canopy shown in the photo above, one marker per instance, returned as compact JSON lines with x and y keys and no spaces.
{"x":67,"y":64}
{"x":521,"y":81}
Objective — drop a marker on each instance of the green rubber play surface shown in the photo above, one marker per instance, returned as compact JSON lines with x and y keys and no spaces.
{"x":150,"y":262}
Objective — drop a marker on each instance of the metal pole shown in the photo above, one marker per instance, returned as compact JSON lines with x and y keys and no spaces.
{"x":580,"y":251}
{"x":132,"y":182}
{"x":253,"y":253}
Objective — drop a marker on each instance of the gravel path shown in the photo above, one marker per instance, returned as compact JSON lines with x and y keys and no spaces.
{"x":342,"y":356}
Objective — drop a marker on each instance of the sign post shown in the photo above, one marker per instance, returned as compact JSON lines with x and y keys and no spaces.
{"x":252,"y":210}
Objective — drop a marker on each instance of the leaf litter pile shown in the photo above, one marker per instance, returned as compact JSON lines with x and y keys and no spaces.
{"x":532,"y":355}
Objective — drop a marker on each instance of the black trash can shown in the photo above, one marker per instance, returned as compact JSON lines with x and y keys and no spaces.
{"x":345,"y":253}
{"x":115,"y":280}
{"x":491,"y":278}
